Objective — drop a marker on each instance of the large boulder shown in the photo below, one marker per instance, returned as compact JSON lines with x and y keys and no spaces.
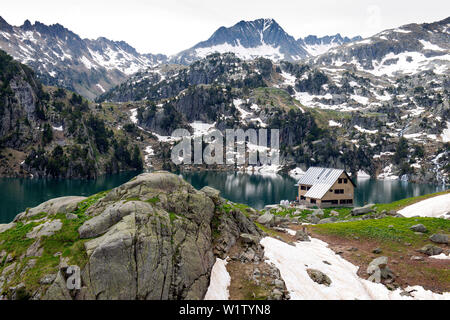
{"x":266,"y":219}
{"x":53,"y":206}
{"x":439,"y":238}
{"x":318,"y":213}
{"x":302,"y":235}
{"x":430,"y":250}
{"x":214,"y":194}
{"x":419,"y":228}
{"x":363,"y":210}
{"x":328,"y":220}
{"x":156,"y":246}
{"x":249,"y":239}
{"x":379,"y":270}
{"x":313,"y":219}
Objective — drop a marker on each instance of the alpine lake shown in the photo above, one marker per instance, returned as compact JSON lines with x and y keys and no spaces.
{"x":255,"y":190}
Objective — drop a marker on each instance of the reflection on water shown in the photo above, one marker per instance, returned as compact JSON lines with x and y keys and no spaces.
{"x":17,"y":194}
{"x":260,"y":190}
{"x":254,"y":190}
{"x":385,"y":191}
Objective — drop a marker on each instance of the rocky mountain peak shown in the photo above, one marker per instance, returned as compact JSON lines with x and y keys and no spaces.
{"x":248,"y":40}
{"x":4,"y":26}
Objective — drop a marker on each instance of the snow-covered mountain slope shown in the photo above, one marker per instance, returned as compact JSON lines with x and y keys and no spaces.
{"x":61,"y":57}
{"x":248,"y":40}
{"x":406,"y":50}
{"x":317,"y":46}
{"x":260,"y":38}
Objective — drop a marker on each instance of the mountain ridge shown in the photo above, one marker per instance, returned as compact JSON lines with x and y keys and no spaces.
{"x":61,"y":57}
{"x":259,"y":38}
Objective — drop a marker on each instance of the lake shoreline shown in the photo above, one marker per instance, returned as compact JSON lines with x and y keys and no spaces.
{"x":254,"y":189}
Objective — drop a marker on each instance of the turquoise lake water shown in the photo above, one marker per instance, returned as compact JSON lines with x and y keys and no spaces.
{"x":254,"y":190}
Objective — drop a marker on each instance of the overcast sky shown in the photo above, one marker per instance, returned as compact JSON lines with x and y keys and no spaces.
{"x":169,"y":26}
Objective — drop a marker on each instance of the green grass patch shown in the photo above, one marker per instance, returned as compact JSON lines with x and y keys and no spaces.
{"x":65,"y":243}
{"x":230,"y":206}
{"x":380,"y":230}
{"x":343,"y":213}
{"x":266,"y":230}
{"x":153,"y":200}
{"x":275,"y":97}
{"x":14,"y":241}
{"x":38,"y":216}
{"x":253,"y":291}
{"x":85,"y":204}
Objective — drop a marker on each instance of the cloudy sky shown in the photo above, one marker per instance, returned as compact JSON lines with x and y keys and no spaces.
{"x":169,"y":26}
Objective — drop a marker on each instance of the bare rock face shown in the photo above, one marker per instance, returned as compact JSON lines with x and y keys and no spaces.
{"x":53,"y":206}
{"x":47,"y":229}
{"x":6,"y":227}
{"x":153,"y":238}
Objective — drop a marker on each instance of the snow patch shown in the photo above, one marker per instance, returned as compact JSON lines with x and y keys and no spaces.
{"x":429,"y":46}
{"x":133,"y":116}
{"x":433,"y":207}
{"x":219,"y":283}
{"x":332,"y":123}
{"x":100,"y":87}
{"x":363,"y":174}
{"x":296,"y":173}
{"x":388,"y":174}
{"x":441,"y":256}
{"x":446,"y":133}
{"x":365,"y":130}
{"x":292,"y":261}
{"x":201,"y":128}
{"x":263,"y":50}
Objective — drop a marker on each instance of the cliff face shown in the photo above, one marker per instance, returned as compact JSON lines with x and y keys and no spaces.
{"x":155,"y":237}
{"x":51,"y":132}
{"x":18,"y":102}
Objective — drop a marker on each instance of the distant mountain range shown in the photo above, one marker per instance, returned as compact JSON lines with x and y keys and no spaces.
{"x":61,"y":57}
{"x":91,"y":67}
{"x":409,"y":49}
